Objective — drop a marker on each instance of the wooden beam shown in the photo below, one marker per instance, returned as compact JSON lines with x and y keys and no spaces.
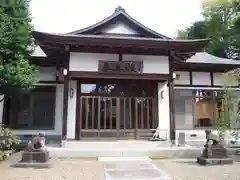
{"x":50,"y":82}
{"x":65,"y":97}
{"x":146,"y":76}
{"x":212,"y":78}
{"x":171,"y":99}
{"x":117,"y":50}
{"x":47,"y":61}
{"x":78,"y":112}
{"x":120,"y":57}
{"x":191,"y":77}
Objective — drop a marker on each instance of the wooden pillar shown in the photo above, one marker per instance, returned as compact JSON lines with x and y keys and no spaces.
{"x":78,"y":112}
{"x":65,"y":97}
{"x":171,"y":99}
{"x":120,"y":57}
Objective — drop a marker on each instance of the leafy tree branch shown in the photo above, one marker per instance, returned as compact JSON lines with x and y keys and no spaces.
{"x":16,"y":46}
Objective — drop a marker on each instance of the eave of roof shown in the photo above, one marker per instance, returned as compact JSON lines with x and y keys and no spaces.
{"x":82,"y":39}
{"x":203,"y":61}
{"x":203,"y":67}
{"x":206,"y":58}
{"x":119,"y":11}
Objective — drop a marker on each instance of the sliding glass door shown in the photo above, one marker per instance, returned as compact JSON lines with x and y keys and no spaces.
{"x":33,"y":110}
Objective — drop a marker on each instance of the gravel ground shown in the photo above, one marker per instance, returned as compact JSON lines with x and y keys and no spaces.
{"x":71,"y":169}
{"x":189,"y":170}
{"x":90,"y":169}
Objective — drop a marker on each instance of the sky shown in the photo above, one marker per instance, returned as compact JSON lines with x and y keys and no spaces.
{"x":163,"y":16}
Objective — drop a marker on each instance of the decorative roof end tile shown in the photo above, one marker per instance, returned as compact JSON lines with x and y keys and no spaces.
{"x":119,"y":8}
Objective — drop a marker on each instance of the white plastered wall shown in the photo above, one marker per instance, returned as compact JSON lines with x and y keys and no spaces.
{"x":202,"y":78}
{"x":183,"y":78}
{"x":219,"y":79}
{"x":71,"y":119}
{"x":89,"y":61}
{"x":163,"y":110}
{"x":119,"y":28}
{"x":47,"y":73}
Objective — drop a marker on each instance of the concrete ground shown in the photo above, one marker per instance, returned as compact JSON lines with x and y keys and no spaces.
{"x":90,"y":169}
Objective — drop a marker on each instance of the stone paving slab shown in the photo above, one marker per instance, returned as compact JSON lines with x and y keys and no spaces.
{"x":114,"y":159}
{"x":132,"y":169}
{"x":125,"y":166}
{"x":143,"y":174}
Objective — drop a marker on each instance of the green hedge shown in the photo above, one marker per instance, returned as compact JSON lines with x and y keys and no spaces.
{"x":8,"y":140}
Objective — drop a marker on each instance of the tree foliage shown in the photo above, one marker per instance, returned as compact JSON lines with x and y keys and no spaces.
{"x":16,"y":46}
{"x":8,"y":141}
{"x":221,"y":24}
{"x":228,"y":114}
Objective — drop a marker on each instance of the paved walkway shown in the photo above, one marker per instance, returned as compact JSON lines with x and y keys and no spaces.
{"x":123,"y":168}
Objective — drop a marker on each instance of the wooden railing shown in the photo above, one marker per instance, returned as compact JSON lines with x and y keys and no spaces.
{"x":121,"y":66}
{"x":120,"y":117}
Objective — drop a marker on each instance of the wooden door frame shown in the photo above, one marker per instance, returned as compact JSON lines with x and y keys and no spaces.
{"x":78,"y":127}
{"x":118,"y":117}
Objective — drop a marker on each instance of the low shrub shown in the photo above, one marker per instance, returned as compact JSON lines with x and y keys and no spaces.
{"x":8,"y":140}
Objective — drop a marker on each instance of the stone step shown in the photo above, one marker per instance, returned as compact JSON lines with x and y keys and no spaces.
{"x":170,"y":152}
{"x":114,"y":159}
{"x":127,"y":152}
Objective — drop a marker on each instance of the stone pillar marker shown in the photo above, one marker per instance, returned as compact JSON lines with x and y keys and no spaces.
{"x":181,"y":139}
